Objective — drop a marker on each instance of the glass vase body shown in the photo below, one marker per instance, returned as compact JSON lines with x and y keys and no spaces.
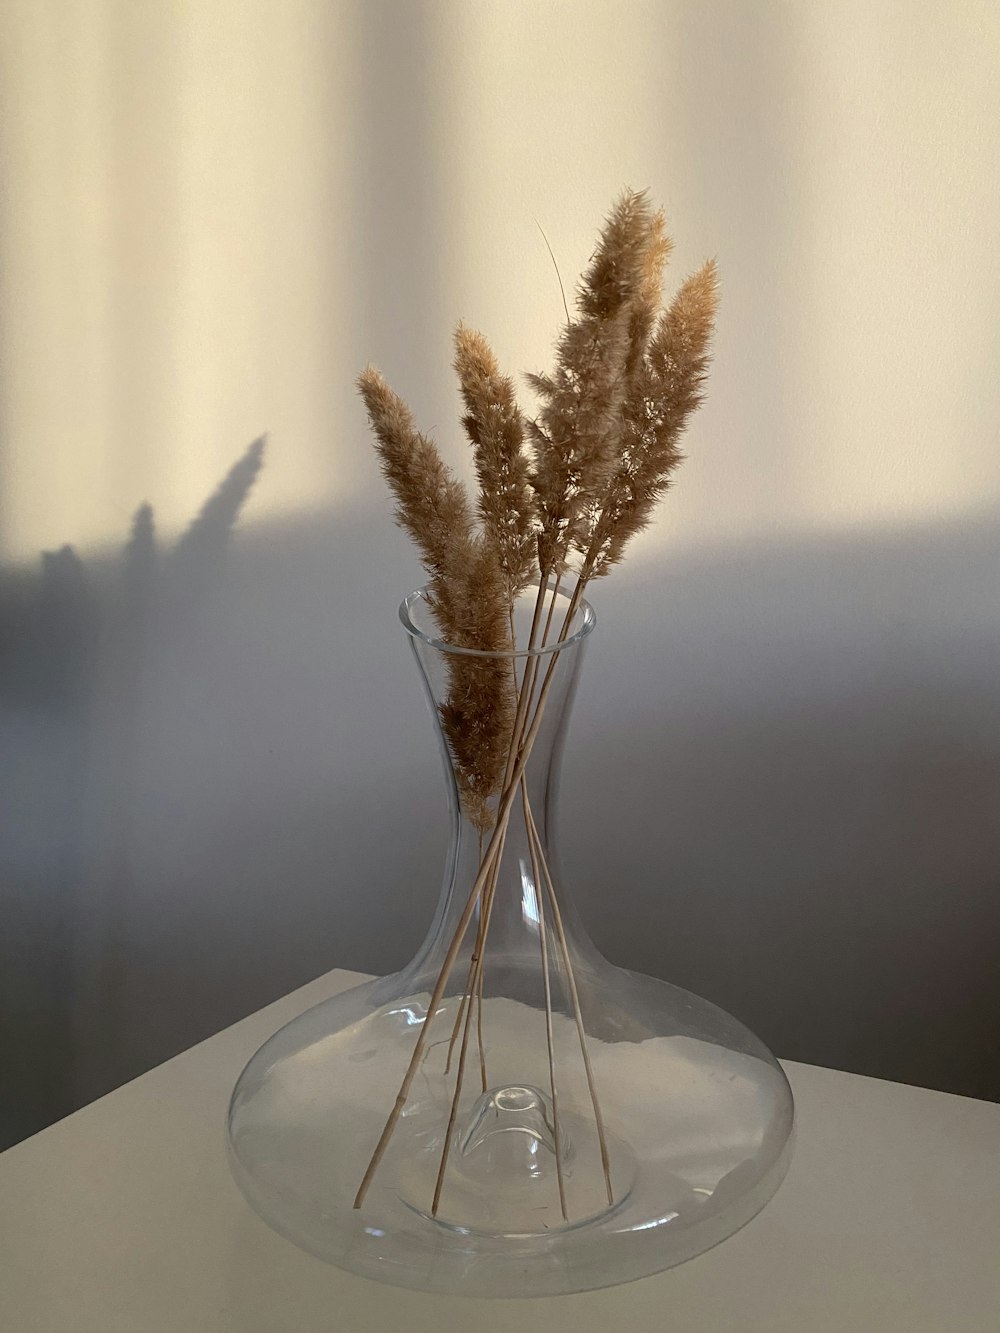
{"x":568,"y":1124}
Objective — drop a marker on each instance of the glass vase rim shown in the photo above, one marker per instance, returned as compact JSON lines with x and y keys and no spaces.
{"x":584,"y":609}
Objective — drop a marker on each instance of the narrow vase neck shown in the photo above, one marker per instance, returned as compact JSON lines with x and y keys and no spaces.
{"x":524,"y":885}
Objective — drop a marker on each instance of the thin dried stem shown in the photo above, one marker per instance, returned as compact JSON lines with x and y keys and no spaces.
{"x":494,"y":847}
{"x":466,"y":994}
{"x":458,"y":1021}
{"x":524,"y":694}
{"x":476,"y":966}
{"x":562,"y":289}
{"x":546,"y":982}
{"x":536,"y":720}
{"x":477,"y":963}
{"x":523,"y":701}
{"x":474,"y":984}
{"x":435,"y":1000}
{"x":479,"y":1028}
{"x":493,"y":850}
{"x":531,"y":666}
{"x":575,"y":996}
{"x":452,"y":1114}
{"x":484,"y":927}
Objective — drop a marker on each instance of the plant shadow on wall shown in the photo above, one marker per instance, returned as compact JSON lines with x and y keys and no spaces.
{"x":75,"y":660}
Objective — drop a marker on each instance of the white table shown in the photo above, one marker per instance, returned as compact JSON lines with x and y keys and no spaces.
{"x":123,"y":1219}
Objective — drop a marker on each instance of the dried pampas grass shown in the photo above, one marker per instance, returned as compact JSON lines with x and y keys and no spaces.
{"x":560,"y":494}
{"x":559,"y":497}
{"x":467,"y":593}
{"x":576,"y":431}
{"x":494,"y":424}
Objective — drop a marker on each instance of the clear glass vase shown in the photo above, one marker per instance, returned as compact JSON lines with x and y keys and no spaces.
{"x":509,"y":1115}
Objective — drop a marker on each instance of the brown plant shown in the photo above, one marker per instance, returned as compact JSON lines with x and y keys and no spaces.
{"x":466,"y":593}
{"x":600,"y":454}
{"x":494,"y":424}
{"x":575,"y":435}
{"x":665,"y":388}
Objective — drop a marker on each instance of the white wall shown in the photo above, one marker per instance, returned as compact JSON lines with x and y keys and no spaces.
{"x":214,"y":214}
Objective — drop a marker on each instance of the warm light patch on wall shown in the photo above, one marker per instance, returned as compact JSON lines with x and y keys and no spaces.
{"x":894,"y":341}
{"x":215,"y":214}
{"x":170,"y":230}
{"x":546,"y":138}
{"x":843,"y":179}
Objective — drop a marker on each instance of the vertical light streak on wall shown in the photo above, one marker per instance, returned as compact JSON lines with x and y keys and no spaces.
{"x":840,"y":163}
{"x":213,"y":213}
{"x":726,"y":76}
{"x":893,"y":351}
{"x":555,"y":111}
{"x":686,"y":101}
{"x":267,"y":218}
{"x":177,"y":194}
{"x":55,"y":262}
{"x":410,"y":219}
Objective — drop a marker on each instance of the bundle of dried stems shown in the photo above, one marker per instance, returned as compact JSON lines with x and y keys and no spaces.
{"x":560,"y":496}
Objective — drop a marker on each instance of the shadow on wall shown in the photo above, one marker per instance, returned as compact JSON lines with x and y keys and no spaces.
{"x":797,"y":760}
{"x":808,"y":824}
{"x":75,"y":651}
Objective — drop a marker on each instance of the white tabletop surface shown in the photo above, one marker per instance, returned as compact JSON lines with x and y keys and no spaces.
{"x":123,"y":1219}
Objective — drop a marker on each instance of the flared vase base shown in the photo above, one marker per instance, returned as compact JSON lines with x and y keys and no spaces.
{"x":690,"y":1136}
